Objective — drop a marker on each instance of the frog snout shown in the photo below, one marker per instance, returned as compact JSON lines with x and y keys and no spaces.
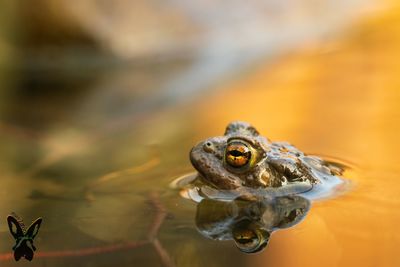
{"x":202,"y":155}
{"x":195,"y":156}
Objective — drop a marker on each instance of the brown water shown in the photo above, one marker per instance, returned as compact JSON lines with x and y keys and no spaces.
{"x":99,"y":178}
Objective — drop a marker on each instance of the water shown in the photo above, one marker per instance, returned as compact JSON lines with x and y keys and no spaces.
{"x":97,"y":167}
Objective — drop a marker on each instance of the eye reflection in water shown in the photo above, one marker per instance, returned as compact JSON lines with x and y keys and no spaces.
{"x":249,"y":223}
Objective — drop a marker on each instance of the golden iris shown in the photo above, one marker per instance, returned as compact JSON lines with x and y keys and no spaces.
{"x":237,"y":154}
{"x":246,"y":239}
{"x":249,"y":237}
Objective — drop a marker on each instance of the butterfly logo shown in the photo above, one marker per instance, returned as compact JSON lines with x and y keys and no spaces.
{"x":23,"y":238}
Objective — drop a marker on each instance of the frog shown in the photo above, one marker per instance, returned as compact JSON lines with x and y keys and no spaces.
{"x":244,"y":159}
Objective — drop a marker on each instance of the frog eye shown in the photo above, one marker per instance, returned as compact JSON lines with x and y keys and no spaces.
{"x":237,"y":154}
{"x":246,"y":240}
{"x":249,"y":239}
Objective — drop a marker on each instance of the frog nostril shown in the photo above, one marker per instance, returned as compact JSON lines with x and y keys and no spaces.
{"x":208,"y":147}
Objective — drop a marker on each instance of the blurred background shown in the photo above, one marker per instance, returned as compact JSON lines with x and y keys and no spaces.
{"x":101,"y":102}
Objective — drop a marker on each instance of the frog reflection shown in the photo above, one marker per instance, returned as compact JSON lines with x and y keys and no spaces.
{"x":249,"y":223}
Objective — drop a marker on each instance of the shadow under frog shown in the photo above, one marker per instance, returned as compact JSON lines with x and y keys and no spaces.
{"x":249,"y":223}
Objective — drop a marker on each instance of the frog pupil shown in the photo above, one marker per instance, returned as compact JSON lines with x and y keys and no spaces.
{"x":246,"y":239}
{"x":236,"y":153}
